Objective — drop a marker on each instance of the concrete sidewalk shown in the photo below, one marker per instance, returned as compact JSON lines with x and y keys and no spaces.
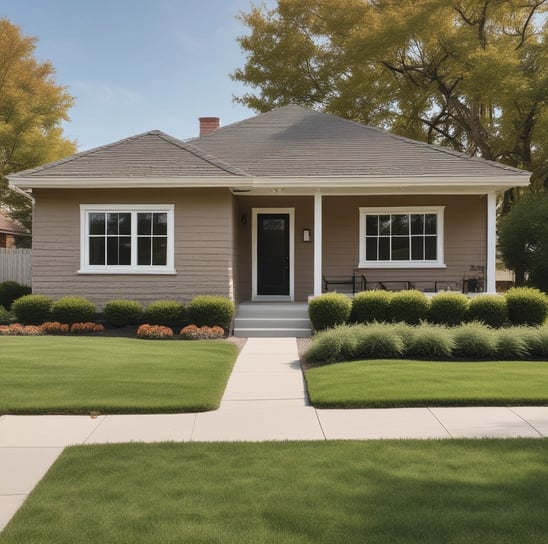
{"x":265,"y":399}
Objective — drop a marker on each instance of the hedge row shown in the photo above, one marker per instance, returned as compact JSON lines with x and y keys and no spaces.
{"x":519,"y":306}
{"x":204,"y":310}
{"x":470,"y":341}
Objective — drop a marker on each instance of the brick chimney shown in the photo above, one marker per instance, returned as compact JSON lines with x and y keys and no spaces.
{"x":208,"y":124}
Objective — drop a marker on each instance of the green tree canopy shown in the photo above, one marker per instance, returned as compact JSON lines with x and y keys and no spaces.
{"x":32,"y":108}
{"x":469,"y":74}
{"x":523,"y":239}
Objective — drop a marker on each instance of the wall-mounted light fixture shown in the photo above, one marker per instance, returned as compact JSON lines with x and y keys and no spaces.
{"x":243,"y":219}
{"x":306,"y":235}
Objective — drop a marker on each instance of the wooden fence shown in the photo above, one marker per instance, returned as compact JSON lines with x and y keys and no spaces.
{"x":15,"y":265}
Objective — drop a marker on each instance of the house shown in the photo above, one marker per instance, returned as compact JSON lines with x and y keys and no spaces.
{"x":9,"y":230}
{"x":265,"y":209}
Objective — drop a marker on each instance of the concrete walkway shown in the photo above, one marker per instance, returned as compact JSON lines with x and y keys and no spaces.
{"x":265,"y":399}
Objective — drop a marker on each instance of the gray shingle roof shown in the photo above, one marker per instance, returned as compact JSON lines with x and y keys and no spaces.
{"x":296,"y":141}
{"x":288,"y":142}
{"x":149,"y":155}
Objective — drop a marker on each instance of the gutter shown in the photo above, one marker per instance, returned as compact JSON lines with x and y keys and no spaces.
{"x":16,"y":189}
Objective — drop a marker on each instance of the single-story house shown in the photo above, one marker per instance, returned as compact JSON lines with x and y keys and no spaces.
{"x":9,"y":231}
{"x":277,"y":207}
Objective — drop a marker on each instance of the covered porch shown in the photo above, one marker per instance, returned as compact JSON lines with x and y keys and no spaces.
{"x":290,"y":245}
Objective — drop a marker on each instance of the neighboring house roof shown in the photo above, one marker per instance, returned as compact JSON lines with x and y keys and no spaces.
{"x":7,"y":226}
{"x":290,"y":147}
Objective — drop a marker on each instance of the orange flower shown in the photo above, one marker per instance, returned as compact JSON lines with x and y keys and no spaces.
{"x":154,"y":331}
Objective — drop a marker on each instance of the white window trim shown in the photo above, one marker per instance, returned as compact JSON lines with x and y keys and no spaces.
{"x":438,"y":263}
{"x":86,"y":268}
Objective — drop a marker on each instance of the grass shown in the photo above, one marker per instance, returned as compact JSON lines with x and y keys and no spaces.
{"x":379,"y":492}
{"x":393,"y":383}
{"x":66,"y":375}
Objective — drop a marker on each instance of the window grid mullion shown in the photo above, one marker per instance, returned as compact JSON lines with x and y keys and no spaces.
{"x":409,"y":236}
{"x":133,"y":239}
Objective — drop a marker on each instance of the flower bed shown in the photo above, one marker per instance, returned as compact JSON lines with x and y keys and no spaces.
{"x":84,"y":328}
{"x":16,"y":329}
{"x":192,"y":332}
{"x":154,"y":332}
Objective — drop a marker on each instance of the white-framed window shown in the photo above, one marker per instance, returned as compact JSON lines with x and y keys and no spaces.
{"x":126,"y":239}
{"x":401,"y":237}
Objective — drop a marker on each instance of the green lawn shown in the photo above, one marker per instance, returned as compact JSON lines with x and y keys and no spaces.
{"x":71,"y":375}
{"x":390,"y":383}
{"x":457,"y":492}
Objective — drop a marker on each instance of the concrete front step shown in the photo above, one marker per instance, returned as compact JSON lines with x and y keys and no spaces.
{"x":273,"y":309}
{"x":272,"y":320}
{"x":272,"y":333}
{"x":272,"y":323}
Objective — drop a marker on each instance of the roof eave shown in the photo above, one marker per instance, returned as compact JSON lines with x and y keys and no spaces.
{"x":129,"y":183}
{"x":505,"y":181}
{"x":477,"y":184}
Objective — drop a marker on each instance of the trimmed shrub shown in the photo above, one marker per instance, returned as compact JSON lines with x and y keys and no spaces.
{"x":370,"y":306}
{"x":10,"y":291}
{"x":536,"y":340}
{"x":431,"y":342}
{"x":542,"y":337}
{"x":512,"y":343}
{"x":474,"y":341}
{"x":169,"y":313}
{"x":333,"y":345}
{"x":378,"y":341}
{"x":4,"y":316}
{"x":211,"y":310}
{"x":406,"y":333}
{"x":329,"y":310}
{"x":448,"y":309}
{"x":32,"y":309}
{"x":526,"y":306}
{"x":409,"y":306}
{"x":122,"y":312}
{"x":489,"y":309}
{"x":73,"y":310}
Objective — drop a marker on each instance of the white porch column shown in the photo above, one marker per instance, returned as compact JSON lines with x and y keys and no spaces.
{"x":491,"y":273}
{"x":317,"y":244}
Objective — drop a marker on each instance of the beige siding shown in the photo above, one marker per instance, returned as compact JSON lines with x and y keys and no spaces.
{"x":204,"y":248}
{"x":213,"y":245}
{"x":465,"y":235}
{"x":304,"y":251}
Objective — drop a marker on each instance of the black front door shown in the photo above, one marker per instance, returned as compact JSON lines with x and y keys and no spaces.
{"x":273,"y":254}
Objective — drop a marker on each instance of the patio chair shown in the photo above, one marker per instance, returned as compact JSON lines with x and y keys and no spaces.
{"x":473,"y":280}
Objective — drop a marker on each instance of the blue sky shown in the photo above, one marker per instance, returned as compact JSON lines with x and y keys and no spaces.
{"x":138,"y":65}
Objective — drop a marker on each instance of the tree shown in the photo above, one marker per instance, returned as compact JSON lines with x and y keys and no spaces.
{"x":469,"y":74}
{"x":32,"y":108}
{"x":523,"y":239}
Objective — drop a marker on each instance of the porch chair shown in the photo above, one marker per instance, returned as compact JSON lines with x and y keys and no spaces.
{"x":473,"y":280}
